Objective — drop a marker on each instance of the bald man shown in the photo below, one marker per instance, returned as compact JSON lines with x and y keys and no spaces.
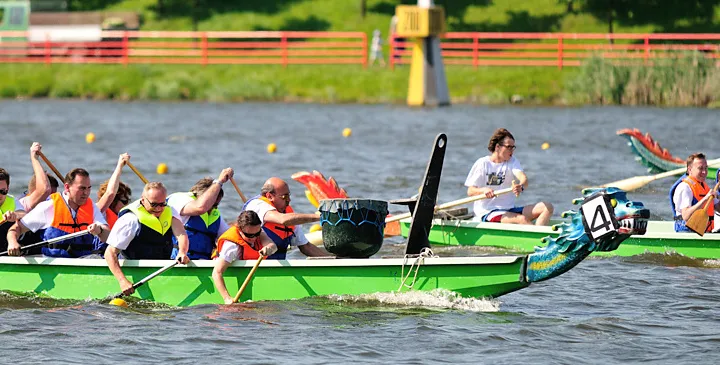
{"x":279,"y":221}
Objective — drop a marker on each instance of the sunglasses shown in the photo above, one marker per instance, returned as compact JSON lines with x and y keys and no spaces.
{"x":157,"y":205}
{"x":511,"y":148}
{"x":125,"y":201}
{"x":284,"y":196}
{"x":252,"y":235}
{"x":4,"y":191}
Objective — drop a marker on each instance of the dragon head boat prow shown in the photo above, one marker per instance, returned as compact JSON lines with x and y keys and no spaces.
{"x":606,"y":218}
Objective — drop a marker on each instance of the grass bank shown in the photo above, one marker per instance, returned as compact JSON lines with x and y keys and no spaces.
{"x":325,"y":84}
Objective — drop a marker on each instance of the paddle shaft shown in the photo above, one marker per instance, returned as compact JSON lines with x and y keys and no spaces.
{"x":636,"y":182}
{"x":54,"y":240}
{"x":149,"y":277}
{"x":51,"y":166}
{"x":242,"y":196}
{"x":144,"y":180}
{"x":451,"y":204}
{"x":247,"y":279}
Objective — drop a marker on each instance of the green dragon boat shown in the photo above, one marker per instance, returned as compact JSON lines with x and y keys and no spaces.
{"x":659,"y":238}
{"x":418,"y":269}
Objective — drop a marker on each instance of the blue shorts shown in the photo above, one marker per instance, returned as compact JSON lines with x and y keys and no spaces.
{"x":496,"y":217}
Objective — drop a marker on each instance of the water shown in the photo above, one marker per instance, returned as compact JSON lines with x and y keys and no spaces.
{"x":652,"y":308}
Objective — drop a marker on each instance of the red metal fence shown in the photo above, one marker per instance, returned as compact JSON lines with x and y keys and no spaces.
{"x":560,"y":49}
{"x":288,"y":48}
{"x":204,"y":48}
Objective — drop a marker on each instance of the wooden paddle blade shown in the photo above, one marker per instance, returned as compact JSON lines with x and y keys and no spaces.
{"x":698,"y":221}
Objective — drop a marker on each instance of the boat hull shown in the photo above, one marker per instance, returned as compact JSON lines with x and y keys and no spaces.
{"x":79,"y":279}
{"x":660,"y":238}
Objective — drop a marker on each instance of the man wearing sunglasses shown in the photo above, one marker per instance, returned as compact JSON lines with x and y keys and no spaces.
{"x":243,"y":241}
{"x":12,"y":209}
{"x":497,"y":171}
{"x":113,"y":194}
{"x":145,"y":230}
{"x":64,"y":213}
{"x":200,"y":216}
{"x":279,"y":220}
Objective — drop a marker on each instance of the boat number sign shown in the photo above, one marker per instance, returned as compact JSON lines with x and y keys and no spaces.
{"x":598,"y":217}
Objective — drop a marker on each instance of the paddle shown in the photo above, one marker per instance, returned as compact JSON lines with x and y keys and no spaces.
{"x":316,"y":237}
{"x":247,"y":279}
{"x":144,"y":180}
{"x":698,"y":221}
{"x":451,"y":204}
{"x":51,"y":166}
{"x":242,"y":196}
{"x":637,"y":182}
{"x":117,"y":299}
{"x":53,"y":240}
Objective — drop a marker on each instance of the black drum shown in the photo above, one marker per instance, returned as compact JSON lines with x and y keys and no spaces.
{"x":353,"y":228}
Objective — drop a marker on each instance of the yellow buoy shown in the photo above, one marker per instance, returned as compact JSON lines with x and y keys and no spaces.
{"x":315,"y":227}
{"x":347,"y":132}
{"x":271,"y":148}
{"x":545,"y":145}
{"x":90,"y":137}
{"x":162,"y":169}
{"x":119,"y":302}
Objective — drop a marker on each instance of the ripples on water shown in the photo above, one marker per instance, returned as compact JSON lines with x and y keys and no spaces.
{"x":648,"y":308}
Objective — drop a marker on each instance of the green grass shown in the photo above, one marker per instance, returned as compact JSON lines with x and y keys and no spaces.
{"x":328,"y":84}
{"x":596,"y":83}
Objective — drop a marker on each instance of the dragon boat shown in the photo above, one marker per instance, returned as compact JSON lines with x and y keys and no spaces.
{"x":649,"y":153}
{"x":659,"y":238}
{"x":417,"y":269}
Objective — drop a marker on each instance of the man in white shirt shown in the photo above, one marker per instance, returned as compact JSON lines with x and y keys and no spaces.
{"x":12,"y":209}
{"x":64,"y":213}
{"x":279,"y":220}
{"x":145,"y":230}
{"x":498,"y":171}
{"x":199,"y":214}
{"x":690,"y":193}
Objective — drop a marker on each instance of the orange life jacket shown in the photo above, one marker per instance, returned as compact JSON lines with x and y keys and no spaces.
{"x":110,"y":217}
{"x":248,"y":250}
{"x":63,"y":219}
{"x":281,"y":235}
{"x":699,"y":190}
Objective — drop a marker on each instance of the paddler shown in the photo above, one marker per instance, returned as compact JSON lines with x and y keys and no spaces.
{"x":690,"y":193}
{"x":497,"y":171}
{"x":114,"y":194}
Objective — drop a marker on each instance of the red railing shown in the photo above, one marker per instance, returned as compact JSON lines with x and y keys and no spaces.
{"x":560,"y":49}
{"x":203,"y":48}
{"x":288,"y":48}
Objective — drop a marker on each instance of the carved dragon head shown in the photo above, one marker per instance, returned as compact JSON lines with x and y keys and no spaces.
{"x":606,"y":218}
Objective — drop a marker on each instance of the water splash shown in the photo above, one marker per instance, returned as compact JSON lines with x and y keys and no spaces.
{"x":438,"y":298}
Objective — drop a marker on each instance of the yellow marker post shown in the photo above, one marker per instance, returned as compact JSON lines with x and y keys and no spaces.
{"x":424,"y":22}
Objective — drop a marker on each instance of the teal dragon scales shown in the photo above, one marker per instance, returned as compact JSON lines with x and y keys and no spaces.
{"x":613,"y":214}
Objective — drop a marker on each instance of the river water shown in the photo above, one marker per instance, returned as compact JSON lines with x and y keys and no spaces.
{"x":650,"y":308}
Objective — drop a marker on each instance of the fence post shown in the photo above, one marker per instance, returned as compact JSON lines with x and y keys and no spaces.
{"x":560,"y":51}
{"x":647,"y":49}
{"x":125,"y":49}
{"x":284,"y":49}
{"x":48,"y":59}
{"x":204,"y":51}
{"x":475,"y":50}
{"x":365,"y":50}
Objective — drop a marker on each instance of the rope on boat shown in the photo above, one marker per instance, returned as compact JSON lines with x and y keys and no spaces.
{"x":446,"y":218}
{"x":419,"y":260}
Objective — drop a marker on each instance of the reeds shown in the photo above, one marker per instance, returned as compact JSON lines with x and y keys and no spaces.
{"x":688,"y":79}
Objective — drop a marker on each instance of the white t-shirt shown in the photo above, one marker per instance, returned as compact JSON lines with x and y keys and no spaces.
{"x":261,"y":207}
{"x":229,"y":252}
{"x":682,"y":198}
{"x":22,"y":204}
{"x":42,"y":216}
{"x":126,"y":228}
{"x":178,"y":202}
{"x":487,"y":174}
